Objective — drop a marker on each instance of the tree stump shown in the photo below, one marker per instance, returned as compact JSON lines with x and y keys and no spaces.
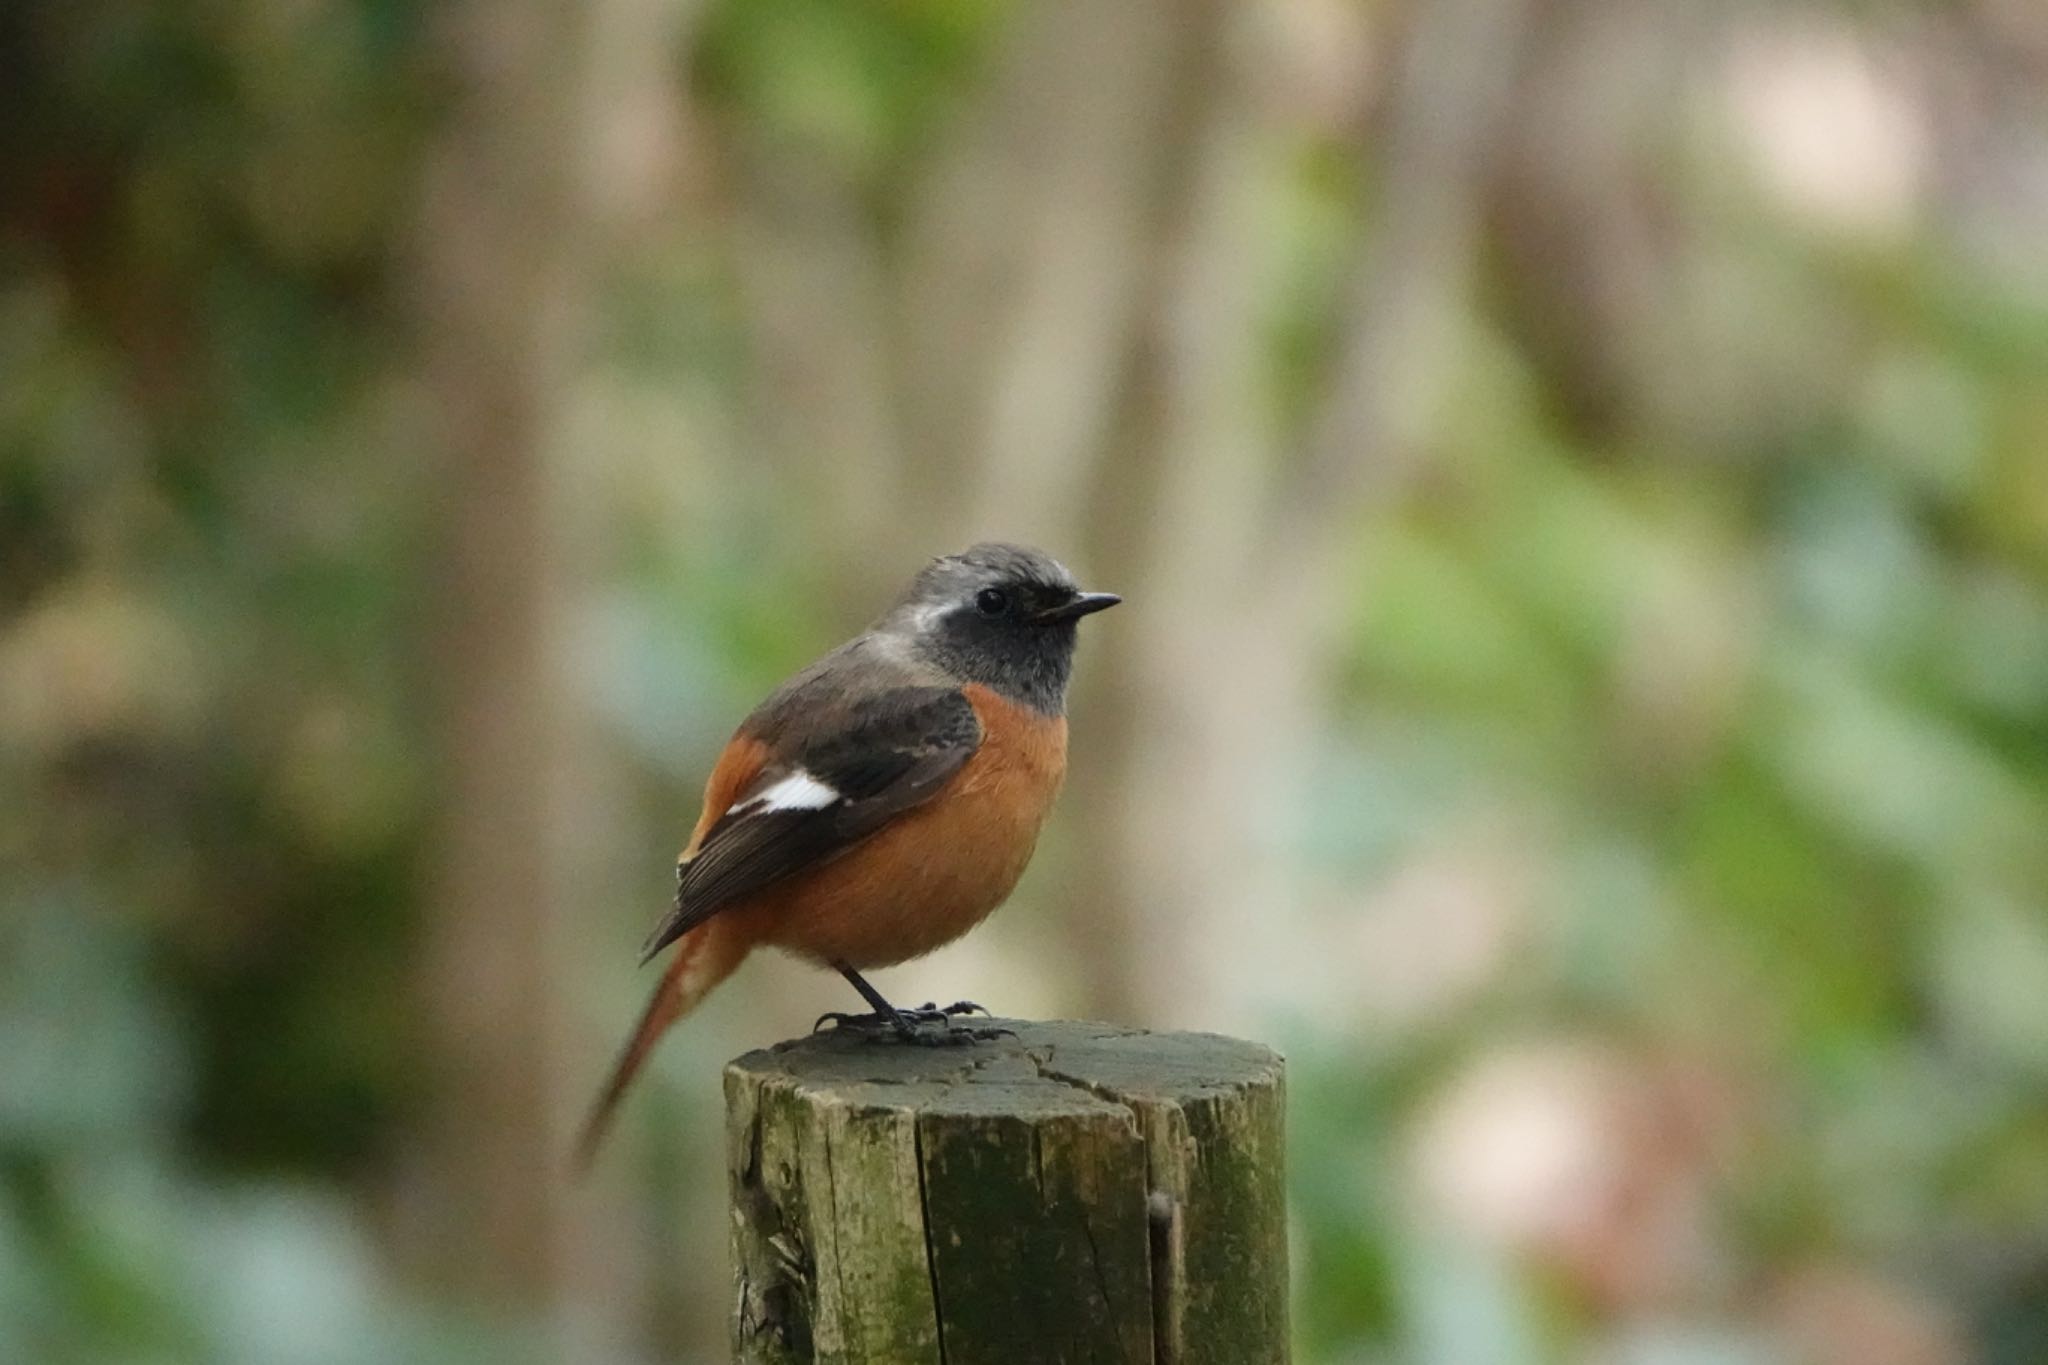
{"x":1072,"y":1192}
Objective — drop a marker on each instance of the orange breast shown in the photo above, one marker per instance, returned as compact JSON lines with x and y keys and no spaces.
{"x":936,"y":871}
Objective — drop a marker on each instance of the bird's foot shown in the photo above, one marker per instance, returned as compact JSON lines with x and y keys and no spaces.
{"x":840,"y":1021}
{"x":927,"y":1025}
{"x":946,"y":1031}
{"x":928,"y":1012}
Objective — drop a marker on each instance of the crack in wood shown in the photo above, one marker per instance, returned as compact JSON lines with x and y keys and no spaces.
{"x":931,"y":1261}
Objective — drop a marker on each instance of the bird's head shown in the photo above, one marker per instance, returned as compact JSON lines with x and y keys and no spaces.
{"x":1000,"y":615}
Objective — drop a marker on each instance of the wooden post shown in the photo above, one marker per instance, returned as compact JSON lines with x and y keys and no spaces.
{"x":1073,"y":1192}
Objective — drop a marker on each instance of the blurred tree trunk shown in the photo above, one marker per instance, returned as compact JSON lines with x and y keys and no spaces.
{"x":1175,"y":418}
{"x":1234,"y":545}
{"x":1082,"y":360}
{"x":959,"y":378}
{"x":1023,"y":290}
{"x":504,"y":240}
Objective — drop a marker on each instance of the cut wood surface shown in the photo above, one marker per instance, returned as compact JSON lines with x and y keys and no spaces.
{"x":1068,"y":1192}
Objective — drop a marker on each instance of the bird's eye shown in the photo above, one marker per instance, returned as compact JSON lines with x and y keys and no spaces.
{"x":991,"y":601}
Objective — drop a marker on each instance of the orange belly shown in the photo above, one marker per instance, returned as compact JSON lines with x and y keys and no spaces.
{"x":935,"y":872}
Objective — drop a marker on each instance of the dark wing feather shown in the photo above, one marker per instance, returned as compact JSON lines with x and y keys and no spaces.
{"x":888,"y":753}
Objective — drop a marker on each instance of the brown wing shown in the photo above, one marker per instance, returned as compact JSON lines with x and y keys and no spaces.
{"x":820,"y":794}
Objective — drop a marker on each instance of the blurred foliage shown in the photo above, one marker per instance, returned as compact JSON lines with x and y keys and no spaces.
{"x":1748,"y":716}
{"x":1770,"y":724}
{"x":859,"y":85}
{"x":207,"y":670}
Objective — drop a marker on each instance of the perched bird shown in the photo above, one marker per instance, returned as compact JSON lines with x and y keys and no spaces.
{"x":881,"y":802}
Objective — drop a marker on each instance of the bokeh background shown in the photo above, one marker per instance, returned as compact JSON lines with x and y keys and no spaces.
{"x":1578,"y":471}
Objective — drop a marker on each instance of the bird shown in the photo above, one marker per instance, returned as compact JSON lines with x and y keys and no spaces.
{"x":881,"y":802}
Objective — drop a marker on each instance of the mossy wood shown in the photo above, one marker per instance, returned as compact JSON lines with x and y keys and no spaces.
{"x":1071,"y":1193}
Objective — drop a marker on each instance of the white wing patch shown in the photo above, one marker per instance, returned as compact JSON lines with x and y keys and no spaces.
{"x":798,"y":791}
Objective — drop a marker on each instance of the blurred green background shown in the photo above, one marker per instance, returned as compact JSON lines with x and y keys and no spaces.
{"x":1578,"y":470}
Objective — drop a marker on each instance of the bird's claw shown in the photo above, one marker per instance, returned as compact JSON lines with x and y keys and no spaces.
{"x":928,"y":1010}
{"x":910,"y":1024}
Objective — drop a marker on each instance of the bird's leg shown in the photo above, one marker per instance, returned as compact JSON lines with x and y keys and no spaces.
{"x":904,"y":1022}
{"x":884,"y":1012}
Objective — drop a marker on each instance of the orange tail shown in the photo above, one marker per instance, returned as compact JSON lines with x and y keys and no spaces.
{"x":704,"y":957}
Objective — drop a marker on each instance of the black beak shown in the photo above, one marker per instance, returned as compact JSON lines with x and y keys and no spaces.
{"x":1082,"y":604}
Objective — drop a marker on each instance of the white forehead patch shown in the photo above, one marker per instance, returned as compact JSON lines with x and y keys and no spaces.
{"x":798,"y":791}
